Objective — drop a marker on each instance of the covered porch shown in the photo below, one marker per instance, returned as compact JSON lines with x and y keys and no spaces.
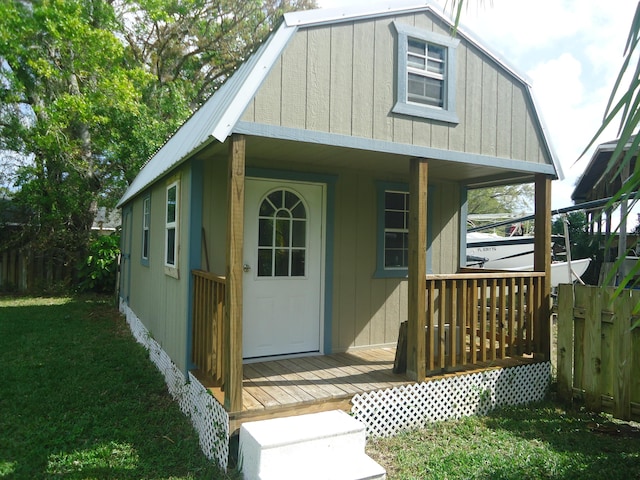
{"x":470,"y":319}
{"x":475,"y":321}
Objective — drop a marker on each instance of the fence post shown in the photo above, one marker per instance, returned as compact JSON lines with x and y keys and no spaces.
{"x":622,"y":360}
{"x":565,"y":342}
{"x":593,"y":349}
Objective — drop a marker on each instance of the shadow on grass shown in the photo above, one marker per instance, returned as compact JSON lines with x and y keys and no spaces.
{"x":587,"y":444}
{"x":533,"y":442}
{"x":80,"y":398}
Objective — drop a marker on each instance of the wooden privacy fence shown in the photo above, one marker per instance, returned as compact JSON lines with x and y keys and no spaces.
{"x":479,"y":317}
{"x":599,"y":349}
{"x":23,"y":269}
{"x":208,"y":321}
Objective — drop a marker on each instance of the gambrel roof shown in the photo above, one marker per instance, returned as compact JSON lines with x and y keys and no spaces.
{"x":220,"y":116}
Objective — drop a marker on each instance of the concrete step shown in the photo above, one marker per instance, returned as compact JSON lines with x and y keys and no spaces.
{"x":327,"y":445}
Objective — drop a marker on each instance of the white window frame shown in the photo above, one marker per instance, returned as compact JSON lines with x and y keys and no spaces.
{"x":446,"y":112}
{"x":146,"y":229}
{"x":171,"y":269}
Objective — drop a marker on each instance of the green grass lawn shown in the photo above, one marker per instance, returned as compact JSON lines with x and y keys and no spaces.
{"x":531,"y":442}
{"x":79,"y":398}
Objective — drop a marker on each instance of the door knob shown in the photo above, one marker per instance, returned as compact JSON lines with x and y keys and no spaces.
{"x":246,"y":267}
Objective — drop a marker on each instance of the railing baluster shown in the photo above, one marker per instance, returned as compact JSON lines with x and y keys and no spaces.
{"x":442,"y":294}
{"x":529,"y":317}
{"x":430,"y":350}
{"x":503,"y":318}
{"x":483,"y":320}
{"x":493,"y":318}
{"x":453,"y":323}
{"x":473,"y":310}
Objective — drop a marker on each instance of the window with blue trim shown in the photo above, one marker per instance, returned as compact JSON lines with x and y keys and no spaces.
{"x":396,"y":230}
{"x":426,"y":74}
{"x":393,"y":230}
{"x":172,"y":227}
{"x":146,"y":229}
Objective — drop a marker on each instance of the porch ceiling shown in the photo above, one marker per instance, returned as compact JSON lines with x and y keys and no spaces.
{"x":264,"y":152}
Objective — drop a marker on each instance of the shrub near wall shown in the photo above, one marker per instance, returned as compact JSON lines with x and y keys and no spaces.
{"x":99,"y":271}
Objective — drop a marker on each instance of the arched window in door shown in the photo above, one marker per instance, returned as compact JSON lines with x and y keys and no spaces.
{"x":282,"y":235}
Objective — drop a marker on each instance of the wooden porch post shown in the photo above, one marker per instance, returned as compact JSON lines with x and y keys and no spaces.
{"x":233,"y":299}
{"x":542,"y":262}
{"x":416,"y":354}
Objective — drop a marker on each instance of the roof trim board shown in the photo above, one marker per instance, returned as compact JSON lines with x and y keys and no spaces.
{"x":360,"y":143}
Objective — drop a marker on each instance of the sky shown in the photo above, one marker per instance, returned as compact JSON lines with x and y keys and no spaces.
{"x":570,"y":51}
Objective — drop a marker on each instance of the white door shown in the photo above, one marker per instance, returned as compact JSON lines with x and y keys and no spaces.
{"x":282,"y":283}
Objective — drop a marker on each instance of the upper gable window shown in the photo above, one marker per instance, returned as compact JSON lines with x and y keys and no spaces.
{"x":426,"y":74}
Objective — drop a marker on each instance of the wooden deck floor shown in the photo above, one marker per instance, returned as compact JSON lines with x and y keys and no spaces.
{"x":319,"y":383}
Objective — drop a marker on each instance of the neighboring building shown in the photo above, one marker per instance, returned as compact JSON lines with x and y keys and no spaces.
{"x":602,"y":179}
{"x":293,"y":182}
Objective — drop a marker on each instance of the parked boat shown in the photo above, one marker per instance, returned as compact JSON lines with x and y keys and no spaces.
{"x":516,"y":253}
{"x":493,"y":251}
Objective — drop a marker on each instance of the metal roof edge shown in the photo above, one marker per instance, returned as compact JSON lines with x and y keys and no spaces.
{"x":225,"y":106}
{"x":251,"y":79}
{"x":544,"y":132}
{"x":604,"y":147}
{"x":321,"y":16}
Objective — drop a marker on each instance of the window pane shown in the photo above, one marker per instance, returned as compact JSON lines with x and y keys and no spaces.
{"x":297,"y":263}
{"x":436,"y":67}
{"x":276,"y":198}
{"x":283,"y":228}
{"x":265,"y":268}
{"x":145,"y":243}
{"x":282,"y":263}
{"x":395,"y":258}
{"x":436,"y":52}
{"x":416,"y":47}
{"x":434,"y":90}
{"x":290,"y":200}
{"x":146,"y":216}
{"x":425,"y":90}
{"x":394,"y":201}
{"x":299,"y":211}
{"x":394,"y":239}
{"x":266,"y":208}
{"x":171,"y":204}
{"x":416,"y":62}
{"x":394,"y":219}
{"x":299,"y":234}
{"x":171,"y":246}
{"x":265,"y":232}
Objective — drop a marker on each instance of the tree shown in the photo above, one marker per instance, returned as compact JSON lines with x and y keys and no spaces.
{"x":89,"y":89}
{"x":64,"y":81}
{"x":507,"y":199}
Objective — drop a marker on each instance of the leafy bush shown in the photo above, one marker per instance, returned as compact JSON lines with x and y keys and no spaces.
{"x":98,"y":273}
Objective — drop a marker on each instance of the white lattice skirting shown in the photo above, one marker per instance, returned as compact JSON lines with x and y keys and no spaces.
{"x":387,"y":412}
{"x":208,"y":417}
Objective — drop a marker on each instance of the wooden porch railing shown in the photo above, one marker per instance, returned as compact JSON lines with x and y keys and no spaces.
{"x":208,"y":321}
{"x":479,"y":317}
